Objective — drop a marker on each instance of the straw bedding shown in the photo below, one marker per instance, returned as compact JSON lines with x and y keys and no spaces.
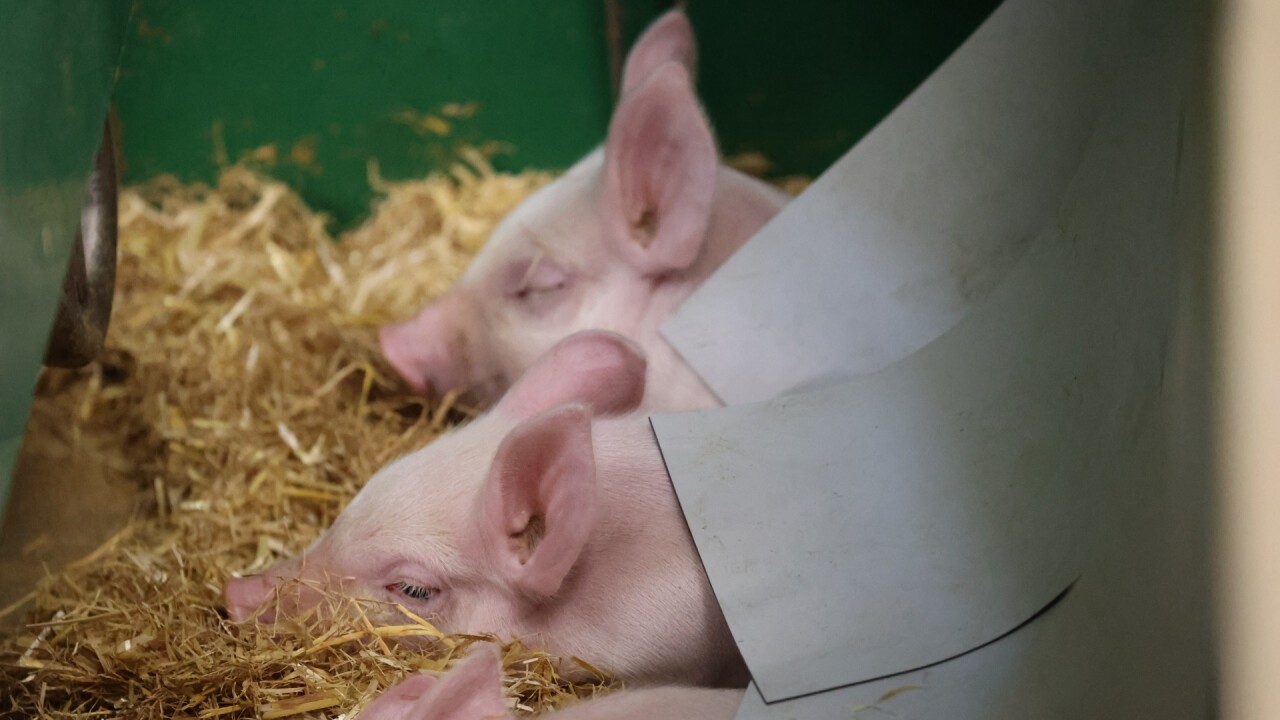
{"x":242,"y":388}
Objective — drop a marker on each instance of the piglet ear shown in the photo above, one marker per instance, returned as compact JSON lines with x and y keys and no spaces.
{"x":540,"y":499}
{"x":659,"y":174}
{"x":668,"y":39}
{"x":400,"y":701}
{"x":470,"y":691}
{"x":601,"y":370}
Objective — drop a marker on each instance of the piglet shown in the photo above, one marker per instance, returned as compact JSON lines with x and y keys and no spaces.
{"x":473,"y":691}
{"x":617,"y":243}
{"x":551,"y":518}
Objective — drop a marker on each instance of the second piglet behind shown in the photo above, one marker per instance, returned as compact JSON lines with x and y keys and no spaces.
{"x":550,"y":519}
{"x":616,"y":243}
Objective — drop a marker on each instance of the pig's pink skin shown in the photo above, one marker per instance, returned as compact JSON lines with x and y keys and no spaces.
{"x":470,"y":691}
{"x":614,"y":576}
{"x":659,"y":703}
{"x":667,"y":39}
{"x":473,"y":691}
{"x":617,"y":243}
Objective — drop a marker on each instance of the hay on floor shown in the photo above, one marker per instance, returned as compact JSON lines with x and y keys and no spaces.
{"x":243,"y":388}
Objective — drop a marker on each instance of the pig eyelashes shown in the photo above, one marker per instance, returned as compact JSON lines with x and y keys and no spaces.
{"x":535,"y":276}
{"x":417,"y":593}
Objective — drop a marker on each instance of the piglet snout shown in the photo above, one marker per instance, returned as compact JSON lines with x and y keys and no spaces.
{"x":424,"y":348}
{"x":243,"y":596}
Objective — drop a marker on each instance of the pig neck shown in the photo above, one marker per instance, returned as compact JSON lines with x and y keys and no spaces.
{"x":742,"y":205}
{"x":641,"y":571}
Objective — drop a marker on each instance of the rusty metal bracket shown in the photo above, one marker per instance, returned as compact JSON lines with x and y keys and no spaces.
{"x":84,"y":309}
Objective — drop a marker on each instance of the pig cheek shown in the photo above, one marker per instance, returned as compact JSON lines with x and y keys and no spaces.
{"x":523,"y":331}
{"x":446,"y":363}
{"x":486,"y":603}
{"x":482,"y":611}
{"x":487,"y":352}
{"x":467,"y":364}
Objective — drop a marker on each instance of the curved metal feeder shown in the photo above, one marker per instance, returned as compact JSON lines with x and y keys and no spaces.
{"x":957,"y":379}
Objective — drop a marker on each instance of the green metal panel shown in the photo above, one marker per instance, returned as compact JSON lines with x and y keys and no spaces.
{"x":333,"y":84}
{"x":57,"y":64}
{"x":802,"y":81}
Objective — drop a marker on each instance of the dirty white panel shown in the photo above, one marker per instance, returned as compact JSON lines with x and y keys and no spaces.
{"x":919,"y":511}
{"x":919,"y":221}
{"x":896,"y":520}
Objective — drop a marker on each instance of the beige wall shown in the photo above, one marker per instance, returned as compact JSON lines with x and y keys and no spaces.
{"x":1249,"y":225}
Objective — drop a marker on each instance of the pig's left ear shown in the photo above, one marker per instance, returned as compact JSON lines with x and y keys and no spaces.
{"x":601,"y":370}
{"x":659,"y":174}
{"x":669,"y":38}
{"x":540,"y":499}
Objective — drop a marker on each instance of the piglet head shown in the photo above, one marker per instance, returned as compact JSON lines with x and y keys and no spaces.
{"x":482,"y":525}
{"x":610,"y":245}
{"x":470,"y":691}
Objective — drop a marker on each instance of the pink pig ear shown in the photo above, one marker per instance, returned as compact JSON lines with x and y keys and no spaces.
{"x":659,"y":174}
{"x":400,"y":701}
{"x":668,"y":39}
{"x":470,"y":691}
{"x":601,"y":370}
{"x":540,"y":499}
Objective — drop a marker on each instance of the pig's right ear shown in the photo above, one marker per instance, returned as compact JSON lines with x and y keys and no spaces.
{"x":539,"y":503}
{"x":669,"y":38}
{"x":660,"y":171}
{"x":470,"y":691}
{"x":601,"y":370}
{"x":400,"y":701}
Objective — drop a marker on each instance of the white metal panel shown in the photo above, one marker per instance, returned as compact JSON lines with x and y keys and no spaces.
{"x":895,"y":520}
{"x":920,"y":220}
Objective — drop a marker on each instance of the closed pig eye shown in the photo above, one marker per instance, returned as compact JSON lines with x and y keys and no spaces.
{"x":418,"y":593}
{"x":536,"y":276}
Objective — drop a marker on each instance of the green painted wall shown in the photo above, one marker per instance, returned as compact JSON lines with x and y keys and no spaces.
{"x":57,"y":63}
{"x":332,"y":84}
{"x":802,"y":81}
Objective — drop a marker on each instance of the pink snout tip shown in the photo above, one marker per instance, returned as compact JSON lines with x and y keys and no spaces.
{"x":396,"y":342}
{"x":243,"y":596}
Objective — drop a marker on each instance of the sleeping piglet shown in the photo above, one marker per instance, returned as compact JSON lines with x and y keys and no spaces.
{"x":617,"y":243}
{"x":473,"y":691}
{"x":551,"y":519}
